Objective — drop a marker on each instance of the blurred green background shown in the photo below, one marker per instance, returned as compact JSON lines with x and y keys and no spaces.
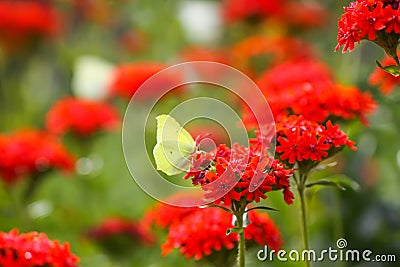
{"x":64,"y":207}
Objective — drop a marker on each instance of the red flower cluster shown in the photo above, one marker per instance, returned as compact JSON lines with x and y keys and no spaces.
{"x":203,"y":232}
{"x":30,"y":152}
{"x":80,"y":116}
{"x":300,"y":139}
{"x":242,"y":176}
{"x":367,"y":19}
{"x":23,"y":19}
{"x":34,"y":249}
{"x":263,"y":231}
{"x":306,"y":88}
{"x":113,"y":227}
{"x":384,"y":80}
{"x":129,"y":77}
{"x":197,"y":237}
{"x":288,"y":12}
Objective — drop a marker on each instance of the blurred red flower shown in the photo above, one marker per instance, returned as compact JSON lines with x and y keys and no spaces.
{"x":81,"y":116}
{"x":254,"y":54}
{"x":304,"y":14}
{"x":115,"y":226}
{"x":21,"y":20}
{"x":199,"y":53}
{"x":299,"y":139}
{"x":237,"y":10}
{"x":30,"y":152}
{"x":263,"y":231}
{"x":348,"y":102}
{"x":34,"y":249}
{"x":133,"y":42}
{"x":306,"y":88}
{"x":293,"y":13}
{"x":129,"y":77}
{"x":163,"y":215}
{"x":200,"y":233}
{"x":120,"y":236}
{"x":98,"y":11}
{"x":203,"y":233}
{"x":384,"y":80}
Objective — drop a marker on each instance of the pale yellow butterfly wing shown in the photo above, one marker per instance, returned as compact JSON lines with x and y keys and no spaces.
{"x":169,"y":129}
{"x":174,"y":148}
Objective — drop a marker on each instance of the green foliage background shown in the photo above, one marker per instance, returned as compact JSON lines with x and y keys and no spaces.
{"x":32,"y":81}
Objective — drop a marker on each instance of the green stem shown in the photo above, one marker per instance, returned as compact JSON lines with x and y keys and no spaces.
{"x":24,"y":222}
{"x":12,"y":106}
{"x":337,"y":220}
{"x":239,"y":209}
{"x":396,"y":58}
{"x":242,"y":242}
{"x":300,"y":188}
{"x":31,"y":188}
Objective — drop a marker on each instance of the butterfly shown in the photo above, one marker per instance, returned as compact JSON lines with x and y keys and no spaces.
{"x":175,"y":147}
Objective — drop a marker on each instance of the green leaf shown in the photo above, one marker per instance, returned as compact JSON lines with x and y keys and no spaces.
{"x":216,"y":206}
{"x":342,"y":182}
{"x":324,"y":166}
{"x":391,"y":69}
{"x":326,"y":183}
{"x":238,"y":230}
{"x":261,"y":208}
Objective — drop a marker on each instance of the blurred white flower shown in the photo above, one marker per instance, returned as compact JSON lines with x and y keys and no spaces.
{"x":91,"y":77}
{"x":91,"y":165}
{"x":201,"y":20}
{"x":40,"y":209}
